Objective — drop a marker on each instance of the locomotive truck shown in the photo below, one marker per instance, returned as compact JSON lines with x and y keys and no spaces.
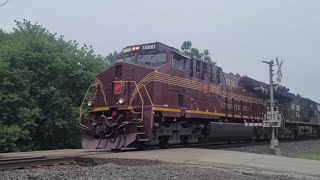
{"x":154,"y":95}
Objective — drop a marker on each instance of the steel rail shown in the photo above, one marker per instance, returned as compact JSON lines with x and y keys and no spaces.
{"x":26,"y":162}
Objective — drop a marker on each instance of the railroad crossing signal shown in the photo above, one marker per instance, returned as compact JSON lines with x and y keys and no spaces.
{"x":272,"y":119}
{"x":279,"y":73}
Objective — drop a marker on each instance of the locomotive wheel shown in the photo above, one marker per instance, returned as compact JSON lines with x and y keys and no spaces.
{"x":163,"y":142}
{"x":184,"y":140}
{"x":295,"y":135}
{"x":258,"y":138}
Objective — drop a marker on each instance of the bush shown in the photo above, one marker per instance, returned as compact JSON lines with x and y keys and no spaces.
{"x":43,"y":80}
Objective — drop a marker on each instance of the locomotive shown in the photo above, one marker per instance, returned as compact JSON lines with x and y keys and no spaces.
{"x":154,"y":95}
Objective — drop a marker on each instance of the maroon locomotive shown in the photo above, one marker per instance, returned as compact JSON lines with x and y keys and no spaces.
{"x":155,"y":95}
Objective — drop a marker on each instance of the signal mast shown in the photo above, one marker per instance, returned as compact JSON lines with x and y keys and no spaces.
{"x":273,"y":117}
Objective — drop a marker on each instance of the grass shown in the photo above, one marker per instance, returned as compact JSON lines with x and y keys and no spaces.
{"x":307,"y":156}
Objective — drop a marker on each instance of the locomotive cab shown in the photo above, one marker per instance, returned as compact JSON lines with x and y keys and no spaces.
{"x":149,"y":55}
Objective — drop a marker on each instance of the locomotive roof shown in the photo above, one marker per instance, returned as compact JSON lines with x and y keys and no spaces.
{"x":244,"y":81}
{"x":168,"y":47}
{"x":157,"y":43}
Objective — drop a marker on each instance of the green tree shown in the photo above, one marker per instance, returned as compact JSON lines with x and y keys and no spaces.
{"x":206,"y":56}
{"x":43,"y":80}
{"x":111,"y":57}
{"x":187,"y":48}
{"x":195,"y":53}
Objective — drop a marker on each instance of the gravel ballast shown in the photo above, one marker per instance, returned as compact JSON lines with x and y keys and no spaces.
{"x":140,"y":169}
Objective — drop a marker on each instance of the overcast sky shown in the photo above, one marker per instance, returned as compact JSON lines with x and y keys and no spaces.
{"x":238,"y":34}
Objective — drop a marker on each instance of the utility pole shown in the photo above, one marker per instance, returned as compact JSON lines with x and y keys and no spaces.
{"x":272,"y":118}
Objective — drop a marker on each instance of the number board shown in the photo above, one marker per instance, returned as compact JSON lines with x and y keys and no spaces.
{"x":149,"y":46}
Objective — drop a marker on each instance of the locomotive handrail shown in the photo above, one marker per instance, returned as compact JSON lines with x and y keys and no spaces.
{"x":81,"y":113}
{"x":148,"y":94}
{"x":150,"y":102}
{"x":104,"y":95}
{"x":142,"y":101}
{"x":105,"y":101}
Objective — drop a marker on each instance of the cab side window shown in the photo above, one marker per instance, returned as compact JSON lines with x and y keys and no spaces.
{"x":204,"y":73}
{"x":179,"y":62}
{"x":191,"y":67}
{"x":210,"y":73}
{"x":218,"y":77}
{"x":198,"y":69}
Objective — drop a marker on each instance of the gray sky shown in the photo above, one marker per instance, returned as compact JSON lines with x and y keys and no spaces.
{"x":238,"y":34}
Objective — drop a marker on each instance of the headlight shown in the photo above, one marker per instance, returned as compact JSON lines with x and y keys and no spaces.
{"x":121,"y":101}
{"x":90,"y":103}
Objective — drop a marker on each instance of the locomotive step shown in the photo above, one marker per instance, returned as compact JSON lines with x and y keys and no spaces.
{"x":141,"y":133}
{"x":140,"y":126}
{"x":144,"y":140}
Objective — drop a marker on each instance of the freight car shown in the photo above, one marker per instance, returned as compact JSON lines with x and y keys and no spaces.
{"x":155,"y":95}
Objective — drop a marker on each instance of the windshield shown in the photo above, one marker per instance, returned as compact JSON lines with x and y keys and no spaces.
{"x":126,"y":59}
{"x":153,"y":58}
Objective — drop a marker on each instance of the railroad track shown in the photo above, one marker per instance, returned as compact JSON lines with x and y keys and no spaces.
{"x":235,"y":144}
{"x":226,"y":145}
{"x":28,"y":162}
{"x":25,"y":162}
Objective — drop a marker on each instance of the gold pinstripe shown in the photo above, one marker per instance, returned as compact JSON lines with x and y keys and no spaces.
{"x":198,"y":86}
{"x":147,"y":78}
{"x":106,"y":108}
{"x":103,"y":108}
{"x":200,"y":112}
{"x":187,"y":83}
{"x":166,"y":109}
{"x":205,"y":113}
{"x":176,"y":110}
